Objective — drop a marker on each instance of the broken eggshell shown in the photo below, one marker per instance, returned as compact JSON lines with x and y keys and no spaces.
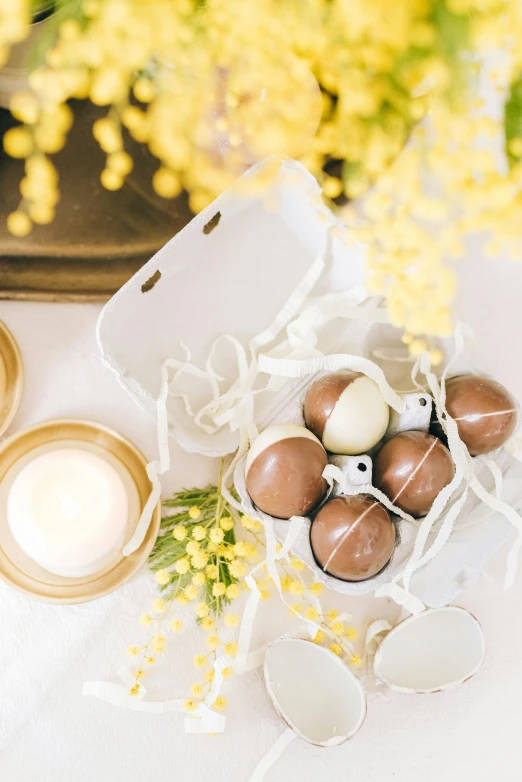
{"x":435,"y":650}
{"x":314,"y":692}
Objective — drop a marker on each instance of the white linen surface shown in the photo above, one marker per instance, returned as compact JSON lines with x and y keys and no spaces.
{"x":50,"y":733}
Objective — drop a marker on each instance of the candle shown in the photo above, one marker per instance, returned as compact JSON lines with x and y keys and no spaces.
{"x":68,"y":511}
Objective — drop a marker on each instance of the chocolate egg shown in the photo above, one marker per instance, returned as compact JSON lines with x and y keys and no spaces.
{"x":284,"y":471}
{"x":485,"y":412}
{"x":352,"y":538}
{"x":411,"y":469}
{"x":347,"y":412}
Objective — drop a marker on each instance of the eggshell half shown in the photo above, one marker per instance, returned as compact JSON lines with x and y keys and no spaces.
{"x":314,"y":692}
{"x":432,"y":651}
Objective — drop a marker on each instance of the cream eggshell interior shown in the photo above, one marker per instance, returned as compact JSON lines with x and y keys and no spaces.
{"x":272,"y":435}
{"x":68,"y":511}
{"x":435,"y":650}
{"x":359,"y":419}
{"x":314,"y":691}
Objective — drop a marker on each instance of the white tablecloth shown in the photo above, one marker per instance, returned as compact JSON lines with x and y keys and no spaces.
{"x":50,"y":733}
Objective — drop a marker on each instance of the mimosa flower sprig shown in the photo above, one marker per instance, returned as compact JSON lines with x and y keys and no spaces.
{"x":197,"y":559}
{"x":196,"y":554}
{"x":340,"y":85}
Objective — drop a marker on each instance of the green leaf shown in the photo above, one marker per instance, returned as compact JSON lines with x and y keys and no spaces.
{"x":513,"y":118}
{"x":453,"y":30}
{"x":168,"y":551}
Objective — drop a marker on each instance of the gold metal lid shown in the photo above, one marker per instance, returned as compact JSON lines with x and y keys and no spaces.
{"x":11,"y":377}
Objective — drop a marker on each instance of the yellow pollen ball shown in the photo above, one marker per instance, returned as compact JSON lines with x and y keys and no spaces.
{"x":18,"y":142}
{"x":144,"y":90}
{"x":49,"y":140}
{"x":120,"y":162}
{"x":198,"y":200}
{"x":41,"y":213}
{"x":19,"y":224}
{"x":110,"y":179}
{"x":167,"y":185}
{"x":216,"y":535}
{"x":179,"y":532}
{"x":332,"y":187}
{"x":24,"y":107}
{"x":107,"y":134}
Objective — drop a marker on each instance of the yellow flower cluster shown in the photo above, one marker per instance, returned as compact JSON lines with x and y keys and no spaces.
{"x":197,"y":559}
{"x":339,"y":84}
{"x":332,"y":631}
{"x":14,"y":20}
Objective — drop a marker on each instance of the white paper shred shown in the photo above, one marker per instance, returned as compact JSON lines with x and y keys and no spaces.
{"x":273,"y":755}
{"x":286,"y":367}
{"x":153,"y":471}
{"x":401,"y":596}
{"x":333,"y":473}
{"x":376,"y":628}
{"x":250,"y":610}
{"x":205,"y":720}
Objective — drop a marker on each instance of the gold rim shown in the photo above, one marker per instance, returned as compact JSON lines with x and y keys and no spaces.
{"x":19,"y":571}
{"x":11,"y":358}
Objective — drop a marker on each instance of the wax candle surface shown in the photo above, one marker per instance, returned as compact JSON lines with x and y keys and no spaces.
{"x":68,"y":511}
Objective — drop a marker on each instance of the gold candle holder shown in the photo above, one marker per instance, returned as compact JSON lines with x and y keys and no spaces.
{"x":11,"y":377}
{"x":20,"y":571}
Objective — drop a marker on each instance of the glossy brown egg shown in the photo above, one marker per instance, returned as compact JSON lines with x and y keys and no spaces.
{"x":411,"y":469}
{"x":352,"y":538}
{"x":485,"y":412}
{"x":284,"y":471}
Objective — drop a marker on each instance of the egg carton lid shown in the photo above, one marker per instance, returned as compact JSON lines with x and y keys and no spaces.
{"x":229,"y":271}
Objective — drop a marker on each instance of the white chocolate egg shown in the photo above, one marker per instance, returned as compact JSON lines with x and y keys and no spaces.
{"x":347,"y":412}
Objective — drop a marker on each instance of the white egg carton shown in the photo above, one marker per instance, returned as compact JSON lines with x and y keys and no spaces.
{"x":229,"y":272}
{"x":357,"y":471}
